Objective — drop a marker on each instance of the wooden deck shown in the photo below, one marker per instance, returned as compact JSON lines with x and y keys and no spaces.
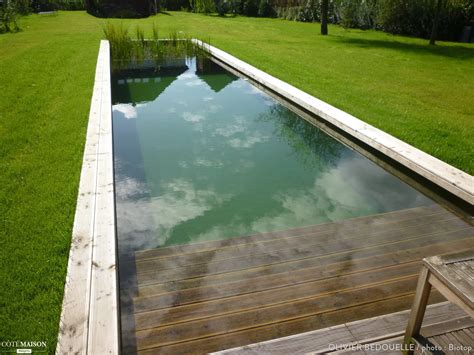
{"x":459,"y":341}
{"x":210,"y":296}
{"x":446,"y":327}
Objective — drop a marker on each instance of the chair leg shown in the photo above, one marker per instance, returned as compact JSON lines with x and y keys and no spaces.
{"x":417,"y":313}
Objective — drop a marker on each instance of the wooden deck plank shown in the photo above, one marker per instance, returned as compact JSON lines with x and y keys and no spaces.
{"x":451,"y":340}
{"x":362,"y":331}
{"x":246,"y":286}
{"x":311,"y":240}
{"x":273,"y":314}
{"x":305,"y":343}
{"x":462,"y":338}
{"x":345,"y":225}
{"x":309,"y":269}
{"x":206,"y":308}
{"x":442,"y":340}
{"x":242,"y":287}
{"x":441,"y":333}
{"x":469,"y":333}
{"x":332,"y":250}
{"x":257,"y":334}
{"x":455,"y":323}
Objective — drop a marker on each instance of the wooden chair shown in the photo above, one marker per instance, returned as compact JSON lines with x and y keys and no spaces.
{"x":453,"y":276}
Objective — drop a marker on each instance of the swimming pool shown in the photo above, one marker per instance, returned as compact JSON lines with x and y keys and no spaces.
{"x":204,"y":159}
{"x":201,"y":154}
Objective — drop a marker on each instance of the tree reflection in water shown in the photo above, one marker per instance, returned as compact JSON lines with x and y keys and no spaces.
{"x":315,"y":149}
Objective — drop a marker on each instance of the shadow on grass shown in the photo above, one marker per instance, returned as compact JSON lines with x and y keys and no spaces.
{"x":455,"y":52}
{"x":222,"y":16}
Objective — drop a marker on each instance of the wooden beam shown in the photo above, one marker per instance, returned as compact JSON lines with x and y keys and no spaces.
{"x":423,"y":289}
{"x":89,"y":317}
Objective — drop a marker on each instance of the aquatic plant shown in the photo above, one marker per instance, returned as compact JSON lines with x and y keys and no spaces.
{"x":132,"y":50}
{"x":120,"y":40}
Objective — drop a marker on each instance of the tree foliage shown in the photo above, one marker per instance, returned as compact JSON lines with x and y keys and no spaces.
{"x":204,"y":6}
{"x":408,"y":17}
{"x":415,"y":17}
{"x":9,"y":11}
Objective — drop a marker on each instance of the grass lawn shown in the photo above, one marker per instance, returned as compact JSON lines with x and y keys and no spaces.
{"x":423,"y":95}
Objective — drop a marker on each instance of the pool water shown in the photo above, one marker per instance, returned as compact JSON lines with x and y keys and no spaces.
{"x":201,"y":154}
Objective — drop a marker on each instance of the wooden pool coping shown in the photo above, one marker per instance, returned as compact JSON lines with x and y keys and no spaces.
{"x":89,"y":319}
{"x":90,"y":311}
{"x":450,"y":179}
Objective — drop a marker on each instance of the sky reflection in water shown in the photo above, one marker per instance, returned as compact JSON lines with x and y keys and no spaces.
{"x":201,"y":154}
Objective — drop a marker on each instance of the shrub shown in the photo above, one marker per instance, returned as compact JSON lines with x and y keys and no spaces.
{"x":415,"y":17}
{"x":310,"y":11}
{"x":250,"y":8}
{"x":175,"y":5}
{"x":53,"y":5}
{"x":407,"y":17}
{"x":236,"y":6}
{"x":23,"y":7}
{"x":204,"y":6}
{"x":265,"y":9}
{"x":120,"y":8}
{"x":221,"y":6}
{"x":356,"y":14}
{"x":70,"y":5}
{"x":8,"y":17}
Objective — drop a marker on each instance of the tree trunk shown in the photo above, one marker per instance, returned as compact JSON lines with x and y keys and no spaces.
{"x":89,"y":6}
{"x":324,"y":17}
{"x":434,"y":31}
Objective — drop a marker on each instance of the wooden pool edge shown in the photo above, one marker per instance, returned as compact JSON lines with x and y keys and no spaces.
{"x":89,"y":321}
{"x":447,"y":178}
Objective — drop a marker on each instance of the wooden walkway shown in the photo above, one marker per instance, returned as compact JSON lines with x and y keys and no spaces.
{"x":210,"y":296}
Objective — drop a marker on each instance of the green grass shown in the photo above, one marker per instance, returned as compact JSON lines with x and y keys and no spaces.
{"x":423,"y":95}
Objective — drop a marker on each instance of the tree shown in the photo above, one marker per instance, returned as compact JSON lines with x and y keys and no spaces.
{"x":434,"y":31}
{"x":324,"y":17}
{"x":155,"y":6}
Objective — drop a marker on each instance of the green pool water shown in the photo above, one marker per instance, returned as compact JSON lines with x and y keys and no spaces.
{"x":201,"y":154}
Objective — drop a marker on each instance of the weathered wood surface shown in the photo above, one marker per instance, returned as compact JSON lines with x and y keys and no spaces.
{"x":456,"y":272}
{"x":308,"y":239}
{"x":364,"y":246}
{"x":447,"y":177}
{"x":439,"y":317}
{"x":422,"y":294}
{"x":89,"y":318}
{"x":217,"y":295}
{"x":452,"y":276}
{"x":103,"y":322}
{"x":306,"y":270}
{"x":452,"y":336}
{"x":341,"y":226}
